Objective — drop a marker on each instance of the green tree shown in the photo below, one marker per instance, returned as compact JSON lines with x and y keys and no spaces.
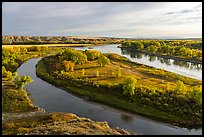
{"x":129,"y":86}
{"x":152,"y":48}
{"x":126,"y":44}
{"x":92,"y":54}
{"x":75,"y":56}
{"x":7,"y":74}
{"x":118,"y":74}
{"x":83,"y":72}
{"x":103,"y":60}
{"x":180,"y":87}
{"x":97,"y":73}
{"x":21,"y":81}
{"x":66,"y":65}
{"x":137,"y":45}
{"x":4,"y":72}
{"x":196,"y":94}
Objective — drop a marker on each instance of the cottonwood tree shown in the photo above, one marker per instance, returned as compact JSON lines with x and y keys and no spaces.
{"x":118,"y":74}
{"x":69,"y":66}
{"x":129,"y":86}
{"x":92,"y":54}
{"x":103,"y":60}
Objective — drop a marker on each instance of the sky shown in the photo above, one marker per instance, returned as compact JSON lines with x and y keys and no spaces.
{"x":103,"y":19}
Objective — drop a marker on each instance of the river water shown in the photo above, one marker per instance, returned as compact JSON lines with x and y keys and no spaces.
{"x":53,"y":99}
{"x":193,"y":70}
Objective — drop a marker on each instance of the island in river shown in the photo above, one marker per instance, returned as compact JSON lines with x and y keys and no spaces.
{"x":116,"y":81}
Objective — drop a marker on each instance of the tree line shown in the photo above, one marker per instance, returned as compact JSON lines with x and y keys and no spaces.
{"x":185,"y":49}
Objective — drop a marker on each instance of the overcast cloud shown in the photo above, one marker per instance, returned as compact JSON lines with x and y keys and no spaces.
{"x":117,"y":19}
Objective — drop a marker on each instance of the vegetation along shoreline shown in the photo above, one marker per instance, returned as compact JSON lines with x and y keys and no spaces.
{"x":169,"y":92}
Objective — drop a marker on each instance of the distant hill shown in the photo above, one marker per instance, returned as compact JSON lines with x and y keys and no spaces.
{"x":58,"y":40}
{"x":7,"y":40}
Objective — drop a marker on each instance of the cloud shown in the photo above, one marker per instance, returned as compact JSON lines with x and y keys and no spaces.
{"x":106,"y":18}
{"x":179,"y":12}
{"x":185,"y":11}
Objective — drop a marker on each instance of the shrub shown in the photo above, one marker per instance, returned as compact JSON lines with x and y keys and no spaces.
{"x":97,"y":73}
{"x":103,"y":60}
{"x":129,"y":86}
{"x":92,"y":54}
{"x":82,"y":72}
{"x":21,"y":81}
{"x":118,"y":74}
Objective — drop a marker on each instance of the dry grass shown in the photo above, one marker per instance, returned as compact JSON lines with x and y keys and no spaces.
{"x":58,"y":124}
{"x":106,"y":76}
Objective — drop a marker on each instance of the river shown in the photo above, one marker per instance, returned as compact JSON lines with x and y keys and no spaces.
{"x":53,"y":99}
{"x":192,"y":70}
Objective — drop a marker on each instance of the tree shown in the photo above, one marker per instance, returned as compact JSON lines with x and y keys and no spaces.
{"x":103,"y":60}
{"x":96,"y":73}
{"x":23,"y":49}
{"x":44,"y":48}
{"x":7,"y":74}
{"x":68,"y":65}
{"x":118,"y":74}
{"x":83,"y":72}
{"x":71,"y":65}
{"x":196,"y":94}
{"x":21,"y":81}
{"x":92,"y":54}
{"x":129,"y":86}
{"x":152,"y":48}
{"x":137,"y":45}
{"x":180,"y":88}
{"x":4,"y":72}
{"x":113,"y":73}
{"x":74,"y":56}
{"x":126,"y":44}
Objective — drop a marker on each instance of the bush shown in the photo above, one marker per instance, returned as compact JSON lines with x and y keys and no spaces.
{"x":103,"y":60}
{"x":75,"y":56}
{"x":118,"y":74}
{"x":92,"y":54}
{"x":21,"y":81}
{"x":129,"y":86}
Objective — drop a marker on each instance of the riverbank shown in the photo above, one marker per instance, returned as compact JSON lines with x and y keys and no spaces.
{"x":21,"y":117}
{"x":164,"y":56}
{"x":55,"y":123}
{"x":112,"y":95}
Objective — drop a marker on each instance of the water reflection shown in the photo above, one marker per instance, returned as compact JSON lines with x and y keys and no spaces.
{"x":126,"y":118}
{"x":152,"y":58}
{"x":168,"y":62}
